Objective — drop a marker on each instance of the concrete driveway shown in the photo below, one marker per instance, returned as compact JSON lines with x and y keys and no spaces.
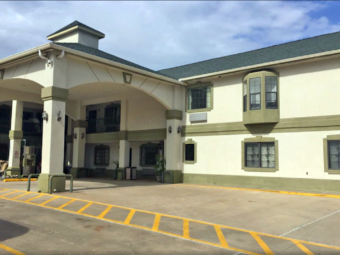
{"x":154,"y":218}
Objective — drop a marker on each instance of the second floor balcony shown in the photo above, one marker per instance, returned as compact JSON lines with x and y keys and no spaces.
{"x":103,"y":125}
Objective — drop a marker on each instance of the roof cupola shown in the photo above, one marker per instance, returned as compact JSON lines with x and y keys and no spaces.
{"x":77,"y":32}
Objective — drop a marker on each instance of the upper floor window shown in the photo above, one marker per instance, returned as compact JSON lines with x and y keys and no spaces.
{"x":245,"y":95}
{"x":255,"y":93}
{"x":199,"y":97}
{"x":271,"y":92}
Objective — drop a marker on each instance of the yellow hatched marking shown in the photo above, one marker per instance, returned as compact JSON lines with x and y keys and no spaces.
{"x":264,"y":246}
{"x":9,"y":249}
{"x":50,"y":200}
{"x":34,"y":198}
{"x":4,"y":195}
{"x":83,"y":209}
{"x":303,"y":248}
{"x":220,"y":235}
{"x":185,"y":225}
{"x":129,"y":217}
{"x":66,"y":204}
{"x":156,"y":222}
{"x":102,"y":215}
{"x":2,"y":190}
{"x":186,"y":233}
{"x":25,"y":193}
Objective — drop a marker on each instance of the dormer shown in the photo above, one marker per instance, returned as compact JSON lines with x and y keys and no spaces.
{"x":77,"y":32}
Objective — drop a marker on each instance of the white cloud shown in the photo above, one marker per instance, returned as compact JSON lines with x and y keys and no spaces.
{"x":166,"y":34}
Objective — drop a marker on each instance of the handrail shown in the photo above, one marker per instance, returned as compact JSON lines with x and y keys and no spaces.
{"x":59,"y":175}
{"x":5,"y":173}
{"x":29,"y":180}
{"x":165,"y":172}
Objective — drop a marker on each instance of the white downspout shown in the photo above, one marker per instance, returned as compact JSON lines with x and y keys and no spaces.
{"x":61,"y":55}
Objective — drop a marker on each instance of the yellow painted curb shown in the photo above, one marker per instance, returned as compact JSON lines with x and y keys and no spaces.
{"x":18,"y":180}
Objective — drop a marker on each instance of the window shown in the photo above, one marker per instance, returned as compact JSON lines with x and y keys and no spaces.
{"x":190,"y":152}
{"x":148,"y":153}
{"x":27,"y":115}
{"x":245,"y":95}
{"x":271,"y":92}
{"x":102,"y":155}
{"x":200,"y":97}
{"x":255,"y":93}
{"x":334,"y":155}
{"x":260,"y":155}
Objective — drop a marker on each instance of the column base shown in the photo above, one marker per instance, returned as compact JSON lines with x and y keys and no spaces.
{"x":58,"y":183}
{"x":13,"y":171}
{"x":173,"y":176}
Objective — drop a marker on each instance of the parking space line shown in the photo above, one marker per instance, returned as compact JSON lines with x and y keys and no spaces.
{"x":102,"y":215}
{"x":129,"y":217}
{"x":66,"y":204}
{"x":29,"y":200}
{"x":303,"y":248}
{"x":50,"y":200}
{"x":221,"y":237}
{"x":84,"y":208}
{"x":186,"y":234}
{"x":4,"y":195}
{"x":9,"y":249}
{"x":156,"y":222}
{"x":263,"y":190}
{"x":263,"y":245}
{"x":20,"y":195}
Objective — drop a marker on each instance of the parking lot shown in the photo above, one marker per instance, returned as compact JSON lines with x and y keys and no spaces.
{"x":134,"y":217}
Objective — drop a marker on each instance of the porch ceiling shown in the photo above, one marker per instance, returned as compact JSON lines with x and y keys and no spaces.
{"x":102,"y":90}
{"x":21,"y":85}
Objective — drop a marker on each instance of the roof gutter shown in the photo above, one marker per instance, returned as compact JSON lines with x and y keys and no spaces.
{"x":119,"y":65}
{"x":247,"y":68}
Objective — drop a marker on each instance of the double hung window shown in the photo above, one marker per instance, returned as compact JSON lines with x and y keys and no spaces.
{"x":255,"y":93}
{"x":200,"y":97}
{"x":260,"y":155}
{"x":271,"y":92}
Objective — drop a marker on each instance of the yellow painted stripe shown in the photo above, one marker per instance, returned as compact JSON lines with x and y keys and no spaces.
{"x":66,"y":204}
{"x":129,"y":217}
{"x":9,"y":249}
{"x":34,"y":198}
{"x":264,"y":190}
{"x":262,"y":244}
{"x":25,"y":193}
{"x":303,"y":248}
{"x":86,"y":206}
{"x":156,"y":222}
{"x":102,"y":215}
{"x":50,"y":200}
{"x":186,"y":233}
{"x":187,"y":236}
{"x":9,"y":193}
{"x":220,"y":235}
{"x":18,"y":180}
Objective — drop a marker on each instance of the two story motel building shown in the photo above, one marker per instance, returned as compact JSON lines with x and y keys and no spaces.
{"x":268,"y":118}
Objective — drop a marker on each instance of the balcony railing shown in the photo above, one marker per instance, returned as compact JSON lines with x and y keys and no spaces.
{"x":103,"y":125}
{"x":28,"y":128}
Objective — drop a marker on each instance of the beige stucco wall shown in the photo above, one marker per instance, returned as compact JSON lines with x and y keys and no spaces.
{"x":299,"y":153}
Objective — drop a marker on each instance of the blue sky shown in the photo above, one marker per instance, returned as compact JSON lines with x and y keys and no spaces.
{"x":160,"y":35}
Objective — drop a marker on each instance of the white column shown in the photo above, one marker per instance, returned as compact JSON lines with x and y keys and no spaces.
{"x":53,"y":138}
{"x":173,"y":145}
{"x":15,"y":136}
{"x":79,"y":142}
{"x":124,"y":153}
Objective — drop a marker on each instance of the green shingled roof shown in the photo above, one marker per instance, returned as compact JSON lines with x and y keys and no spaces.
{"x":318,"y":44}
{"x":73,"y":24}
{"x":102,"y":54}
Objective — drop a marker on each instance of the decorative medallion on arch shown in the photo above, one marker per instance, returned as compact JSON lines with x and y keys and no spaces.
{"x":127,"y":78}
